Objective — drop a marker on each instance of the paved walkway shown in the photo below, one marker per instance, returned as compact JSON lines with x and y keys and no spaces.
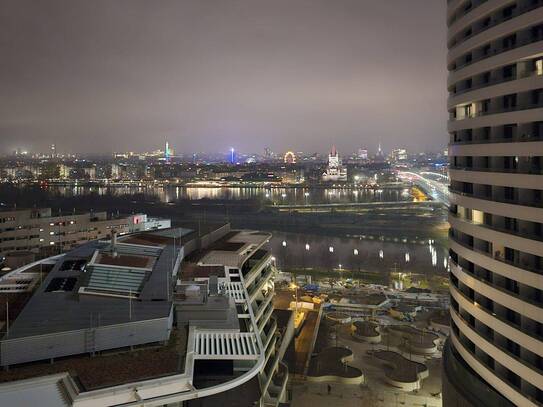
{"x":376,"y":392}
{"x":316,"y":395}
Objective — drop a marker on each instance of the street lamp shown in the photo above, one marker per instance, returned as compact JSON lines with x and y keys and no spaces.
{"x":284,"y":253}
{"x":355,"y":253}
{"x":307,"y":247}
{"x":331,"y":249}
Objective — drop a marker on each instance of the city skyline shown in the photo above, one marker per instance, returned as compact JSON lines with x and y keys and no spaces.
{"x":102,"y":80}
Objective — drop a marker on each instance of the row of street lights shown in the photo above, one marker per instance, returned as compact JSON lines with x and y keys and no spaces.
{"x":308,"y":247}
{"x":355,"y":251}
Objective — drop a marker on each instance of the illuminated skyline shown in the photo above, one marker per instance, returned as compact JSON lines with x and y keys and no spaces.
{"x":126,"y":75}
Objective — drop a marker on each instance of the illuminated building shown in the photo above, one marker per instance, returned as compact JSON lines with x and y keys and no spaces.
{"x":167,"y":152}
{"x":335,"y":171}
{"x":289,"y":158}
{"x":494,"y":356}
{"x":64,"y":171}
{"x":362,"y":154}
{"x":398,"y":154}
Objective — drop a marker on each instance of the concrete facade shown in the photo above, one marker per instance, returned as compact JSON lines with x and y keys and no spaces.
{"x":495,"y":61}
{"x":40,"y":230}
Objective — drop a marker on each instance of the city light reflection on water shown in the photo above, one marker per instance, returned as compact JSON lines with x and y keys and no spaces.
{"x":355,"y":253}
{"x":373,"y":253}
{"x":276,"y":196}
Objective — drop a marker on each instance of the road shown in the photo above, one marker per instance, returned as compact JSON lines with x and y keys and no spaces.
{"x":436,"y":184}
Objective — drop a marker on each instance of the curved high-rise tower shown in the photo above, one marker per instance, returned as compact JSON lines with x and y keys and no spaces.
{"x":494,"y":356}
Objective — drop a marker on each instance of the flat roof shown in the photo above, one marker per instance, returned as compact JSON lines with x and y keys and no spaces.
{"x":125,"y":260}
{"x":121,"y":367}
{"x":63,"y":308}
{"x":231,"y":250}
{"x":160,"y":237}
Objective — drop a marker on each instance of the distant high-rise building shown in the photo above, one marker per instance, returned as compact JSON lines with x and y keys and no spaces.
{"x":53,"y":151}
{"x":362,"y":154}
{"x":64,"y":171}
{"x":398,"y":154}
{"x":167,"y":153}
{"x":116,"y":171}
{"x":494,"y":356}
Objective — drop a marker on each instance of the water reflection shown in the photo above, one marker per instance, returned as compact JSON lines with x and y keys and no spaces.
{"x":321,"y":252}
{"x":276,"y":196}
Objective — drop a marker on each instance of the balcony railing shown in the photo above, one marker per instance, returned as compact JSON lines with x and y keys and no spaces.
{"x":514,"y":139}
{"x":497,"y":51}
{"x":259,"y":283}
{"x":513,"y":232}
{"x":495,"y":81}
{"x":466,"y":11}
{"x":488,"y":338}
{"x":497,"y":257}
{"x":528,"y":171}
{"x":254,"y":267}
{"x":504,"y":290}
{"x":266,"y":316}
{"x":278,"y":385}
{"x":516,"y":108}
{"x":493,"y":23}
{"x":491,"y":313}
{"x":534,"y":203}
{"x":472,"y":386}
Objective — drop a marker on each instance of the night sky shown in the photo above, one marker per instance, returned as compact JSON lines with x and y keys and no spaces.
{"x":118,"y":75}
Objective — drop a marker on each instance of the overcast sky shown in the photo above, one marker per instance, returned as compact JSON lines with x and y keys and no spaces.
{"x":116,"y":75}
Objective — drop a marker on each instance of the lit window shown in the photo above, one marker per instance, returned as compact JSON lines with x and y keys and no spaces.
{"x":51,"y":233}
{"x":477,"y":216}
{"x":51,"y":224}
{"x":539,"y":67}
{"x":51,"y":243}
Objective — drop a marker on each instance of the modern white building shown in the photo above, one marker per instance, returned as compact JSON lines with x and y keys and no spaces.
{"x":38,"y":229}
{"x":494,"y":356}
{"x":169,"y":318}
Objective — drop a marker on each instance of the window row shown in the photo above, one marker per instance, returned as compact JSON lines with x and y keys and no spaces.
{"x":532,"y":99}
{"x":513,"y":132}
{"x":497,"y":17}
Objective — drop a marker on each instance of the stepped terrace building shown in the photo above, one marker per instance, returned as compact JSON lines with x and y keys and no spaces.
{"x":168,"y":317}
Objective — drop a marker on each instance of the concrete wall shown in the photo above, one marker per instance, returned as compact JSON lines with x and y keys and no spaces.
{"x":211,"y":237}
{"x":41,"y":347}
{"x":461,"y":387}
